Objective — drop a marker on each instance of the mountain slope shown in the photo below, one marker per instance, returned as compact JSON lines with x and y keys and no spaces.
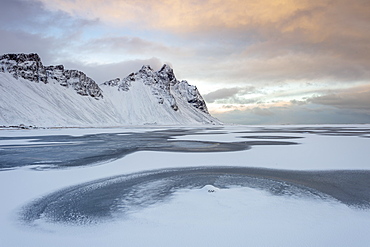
{"x":37,"y":95}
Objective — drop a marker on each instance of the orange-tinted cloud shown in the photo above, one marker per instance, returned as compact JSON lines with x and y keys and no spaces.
{"x":191,"y":14}
{"x":319,"y":19}
{"x":287,"y":39}
{"x":276,"y":47}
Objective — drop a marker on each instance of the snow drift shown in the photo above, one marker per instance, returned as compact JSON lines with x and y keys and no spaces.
{"x":38,"y":95}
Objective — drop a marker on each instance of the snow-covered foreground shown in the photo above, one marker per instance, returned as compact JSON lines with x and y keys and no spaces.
{"x":185,"y":209}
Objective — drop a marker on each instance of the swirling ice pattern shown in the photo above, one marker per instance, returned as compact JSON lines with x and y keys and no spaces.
{"x":110,"y":198}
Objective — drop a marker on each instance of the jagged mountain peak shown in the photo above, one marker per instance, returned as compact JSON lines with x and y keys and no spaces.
{"x":34,"y":94}
{"x":21,"y":57}
{"x":145,"y":71}
{"x":146,"y":68}
{"x":164,"y":86}
{"x":166,"y":69}
{"x":30,"y":67}
{"x":166,"y":73}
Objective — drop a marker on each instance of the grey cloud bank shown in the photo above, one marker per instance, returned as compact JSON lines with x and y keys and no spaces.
{"x":313,"y":53}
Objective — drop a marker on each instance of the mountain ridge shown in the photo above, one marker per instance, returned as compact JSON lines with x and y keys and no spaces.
{"x":30,"y":67}
{"x":59,"y":97}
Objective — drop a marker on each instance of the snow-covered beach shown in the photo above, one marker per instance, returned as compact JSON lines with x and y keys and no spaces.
{"x":297,"y":185}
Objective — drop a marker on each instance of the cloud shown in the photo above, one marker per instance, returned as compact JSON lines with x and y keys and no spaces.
{"x":20,"y":21}
{"x":18,"y":14}
{"x":187,"y":15}
{"x":231,"y":95}
{"x":104,"y":72}
{"x":357,"y":98}
{"x":233,"y":42}
{"x":220,"y":94}
{"x":128,"y":45}
{"x":31,"y":16}
{"x":295,"y":114}
{"x":311,"y":55}
{"x":27,"y":27}
{"x":346,"y":106}
{"x":262,"y":111}
{"x":316,"y":20}
{"x":21,"y":42}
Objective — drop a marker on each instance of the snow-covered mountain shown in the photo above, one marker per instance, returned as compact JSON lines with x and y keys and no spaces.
{"x":38,"y":95}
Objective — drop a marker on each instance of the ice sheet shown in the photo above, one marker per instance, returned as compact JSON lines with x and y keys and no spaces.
{"x":196,"y":217}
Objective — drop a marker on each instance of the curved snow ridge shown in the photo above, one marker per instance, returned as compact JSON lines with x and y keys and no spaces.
{"x":111,"y":198}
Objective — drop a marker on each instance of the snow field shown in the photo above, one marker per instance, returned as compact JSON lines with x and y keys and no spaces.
{"x":226,"y":217}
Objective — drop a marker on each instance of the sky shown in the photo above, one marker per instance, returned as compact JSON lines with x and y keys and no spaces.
{"x":254,"y":62}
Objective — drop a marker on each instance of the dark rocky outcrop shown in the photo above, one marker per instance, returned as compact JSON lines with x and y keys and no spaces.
{"x":164,"y":86}
{"x":30,"y":67}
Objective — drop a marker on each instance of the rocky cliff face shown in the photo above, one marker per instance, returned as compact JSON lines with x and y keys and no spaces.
{"x":34,"y":94}
{"x":164,"y":86}
{"x":27,"y":66}
{"x":191,"y":94}
{"x":30,"y":67}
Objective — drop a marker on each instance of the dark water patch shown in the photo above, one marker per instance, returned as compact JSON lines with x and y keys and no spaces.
{"x":271,"y":137}
{"x":83,"y":150}
{"x":345,"y":133}
{"x":111,"y":198}
{"x":330,"y":131}
{"x":69,"y":151}
{"x":269,"y":143}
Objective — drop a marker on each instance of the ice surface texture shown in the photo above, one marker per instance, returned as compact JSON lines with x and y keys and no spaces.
{"x":47,"y":152}
{"x":108,"y":198}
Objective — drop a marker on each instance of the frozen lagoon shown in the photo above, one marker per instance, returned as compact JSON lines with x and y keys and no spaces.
{"x":276,"y":186}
